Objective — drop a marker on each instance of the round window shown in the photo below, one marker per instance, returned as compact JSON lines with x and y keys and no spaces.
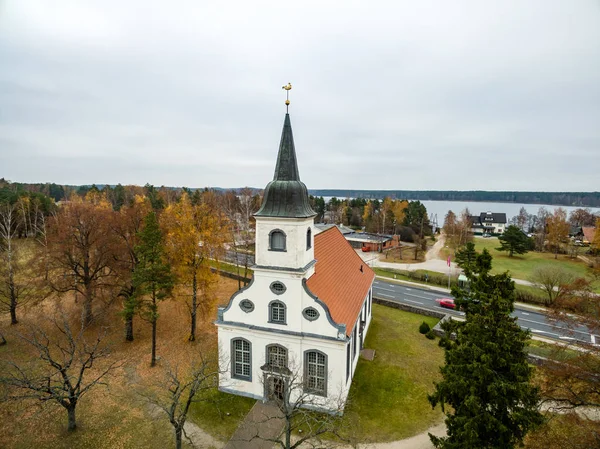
{"x":310,"y":313}
{"x":246,"y":305}
{"x":278,"y":288}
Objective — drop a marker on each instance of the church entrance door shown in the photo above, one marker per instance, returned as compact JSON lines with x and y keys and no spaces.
{"x":275,"y":388}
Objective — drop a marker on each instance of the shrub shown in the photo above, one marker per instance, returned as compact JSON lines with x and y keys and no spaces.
{"x":424,"y":328}
{"x":529,"y":298}
{"x":430,"y":334}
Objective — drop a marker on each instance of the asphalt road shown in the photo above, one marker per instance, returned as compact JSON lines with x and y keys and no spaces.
{"x":239,"y":259}
{"x":539,"y":323}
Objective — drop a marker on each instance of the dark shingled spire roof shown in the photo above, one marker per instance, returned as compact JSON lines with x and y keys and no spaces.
{"x":286,"y":196}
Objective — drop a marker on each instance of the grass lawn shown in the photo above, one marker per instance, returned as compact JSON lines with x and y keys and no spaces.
{"x":522,"y":266}
{"x":388,"y":398}
{"x":221,"y":414}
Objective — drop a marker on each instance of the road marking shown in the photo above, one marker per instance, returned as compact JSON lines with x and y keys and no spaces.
{"x":524,"y":313}
{"x":416,"y":302}
{"x":386,"y":289}
{"x":554,"y":327}
{"x":389,"y":296}
{"x":566,"y":338}
{"x":538,"y":332}
{"x":416,"y":296}
{"x":593,"y":339}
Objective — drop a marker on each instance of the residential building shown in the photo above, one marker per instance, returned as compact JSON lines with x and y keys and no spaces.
{"x":488,"y":223}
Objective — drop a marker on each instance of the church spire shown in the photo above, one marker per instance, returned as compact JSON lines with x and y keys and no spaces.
{"x":287,"y":165}
{"x":286,"y":196}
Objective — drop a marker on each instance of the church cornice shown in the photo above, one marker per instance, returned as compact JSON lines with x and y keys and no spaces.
{"x":279,"y":331}
{"x":290,"y":270}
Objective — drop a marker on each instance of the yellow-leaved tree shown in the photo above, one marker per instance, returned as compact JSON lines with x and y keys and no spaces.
{"x":194,"y":236}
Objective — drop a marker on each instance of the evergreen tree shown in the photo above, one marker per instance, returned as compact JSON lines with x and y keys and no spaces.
{"x":466,"y":257}
{"x":152,"y":275}
{"x":486,"y":378}
{"x":514,"y":241}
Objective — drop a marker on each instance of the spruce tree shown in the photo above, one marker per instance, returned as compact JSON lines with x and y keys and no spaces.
{"x":514,"y":241}
{"x":486,"y":378}
{"x":465,"y":257}
{"x":152,"y":276}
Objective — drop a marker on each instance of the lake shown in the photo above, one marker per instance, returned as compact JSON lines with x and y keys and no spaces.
{"x":441,"y":208}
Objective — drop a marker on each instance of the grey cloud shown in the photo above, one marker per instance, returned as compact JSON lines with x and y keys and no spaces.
{"x":387,"y":95}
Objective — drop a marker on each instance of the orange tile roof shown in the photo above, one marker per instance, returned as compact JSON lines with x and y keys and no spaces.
{"x":588,"y":233}
{"x":338,"y":280}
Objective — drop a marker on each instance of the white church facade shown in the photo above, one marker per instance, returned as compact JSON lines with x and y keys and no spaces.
{"x":299,"y":326}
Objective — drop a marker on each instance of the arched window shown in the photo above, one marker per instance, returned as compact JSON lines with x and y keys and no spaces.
{"x":277,"y":357}
{"x":277,"y":312}
{"x":315,"y":372}
{"x":308,"y":239}
{"x":277,"y":240}
{"x":241,"y":359}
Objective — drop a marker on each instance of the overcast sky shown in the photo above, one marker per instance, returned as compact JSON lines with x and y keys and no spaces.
{"x":461,"y":95}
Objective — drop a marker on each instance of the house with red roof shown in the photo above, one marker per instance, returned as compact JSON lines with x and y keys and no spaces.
{"x":303,"y":318}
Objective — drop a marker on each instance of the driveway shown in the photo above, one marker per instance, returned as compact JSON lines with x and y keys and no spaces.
{"x":431,"y":263}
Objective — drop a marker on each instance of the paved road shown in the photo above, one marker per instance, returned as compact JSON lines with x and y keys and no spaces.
{"x":239,"y":259}
{"x":539,"y":323}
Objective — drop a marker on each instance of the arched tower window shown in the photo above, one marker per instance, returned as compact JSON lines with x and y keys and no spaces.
{"x":277,"y":312}
{"x":308,"y":239}
{"x":277,"y":240}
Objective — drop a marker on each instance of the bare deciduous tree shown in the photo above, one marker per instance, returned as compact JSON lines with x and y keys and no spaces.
{"x":64,"y":369}
{"x":179,"y":391}
{"x":301,"y":410}
{"x":553,"y":280}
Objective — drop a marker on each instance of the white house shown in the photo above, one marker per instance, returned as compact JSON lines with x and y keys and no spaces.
{"x":306,"y":311}
{"x":488,"y":223}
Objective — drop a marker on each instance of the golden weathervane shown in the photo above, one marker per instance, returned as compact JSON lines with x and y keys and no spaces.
{"x":287,"y":95}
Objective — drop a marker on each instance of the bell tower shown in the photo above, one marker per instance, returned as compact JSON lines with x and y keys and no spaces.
{"x":285,"y":220}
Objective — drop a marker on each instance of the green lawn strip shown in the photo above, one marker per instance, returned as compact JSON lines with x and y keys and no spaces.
{"x":228,"y":267}
{"x":416,"y":276}
{"x":221,"y":413}
{"x":522,"y":266}
{"x":388,"y":398}
{"x":551,"y":351}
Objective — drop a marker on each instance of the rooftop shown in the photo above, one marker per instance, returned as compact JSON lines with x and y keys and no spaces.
{"x":342,"y":279}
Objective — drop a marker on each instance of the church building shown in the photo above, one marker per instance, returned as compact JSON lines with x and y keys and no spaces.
{"x":298,"y":327}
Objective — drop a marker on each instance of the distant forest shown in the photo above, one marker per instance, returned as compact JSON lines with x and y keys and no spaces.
{"x":577,"y":199}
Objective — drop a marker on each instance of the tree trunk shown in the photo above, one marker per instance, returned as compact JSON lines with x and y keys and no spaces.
{"x":178,"y":433}
{"x":154,"y":318}
{"x":129,"y":326}
{"x":2,"y":340}
{"x":88,"y":317}
{"x":72,"y":423}
{"x":13,"y":312}
{"x":194,"y":306}
{"x":288,"y":432}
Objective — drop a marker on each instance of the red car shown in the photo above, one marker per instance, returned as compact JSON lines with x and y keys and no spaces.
{"x":448,"y":303}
